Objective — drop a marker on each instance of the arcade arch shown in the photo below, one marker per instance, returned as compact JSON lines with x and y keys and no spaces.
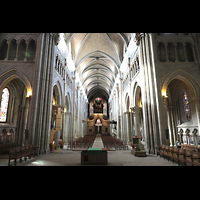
{"x":18,"y":109}
{"x":180,"y":94}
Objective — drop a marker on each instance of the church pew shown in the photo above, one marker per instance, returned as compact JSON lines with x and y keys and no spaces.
{"x":4,"y":148}
{"x":22,"y":152}
{"x":112,"y":142}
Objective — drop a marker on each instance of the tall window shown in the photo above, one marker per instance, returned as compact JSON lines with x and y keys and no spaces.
{"x":171,"y":52}
{"x":161,"y":52}
{"x":186,"y":107}
{"x":180,"y":52}
{"x":98,"y":121}
{"x":189,"y":52}
{"x":4,"y":105}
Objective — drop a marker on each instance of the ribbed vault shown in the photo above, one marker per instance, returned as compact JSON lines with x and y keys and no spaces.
{"x":97,"y":58}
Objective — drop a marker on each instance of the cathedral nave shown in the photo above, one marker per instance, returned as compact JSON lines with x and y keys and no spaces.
{"x":139,"y":92}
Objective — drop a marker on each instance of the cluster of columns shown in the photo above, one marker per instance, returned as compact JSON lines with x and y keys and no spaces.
{"x":130,"y":118}
{"x":79,"y":112}
{"x":43,"y":93}
{"x":59,"y":66}
{"x":150,"y":101}
{"x":15,"y":50}
{"x":179,"y":51}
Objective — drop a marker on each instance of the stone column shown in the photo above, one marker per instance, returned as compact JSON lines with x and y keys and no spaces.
{"x":165,"y":120}
{"x":78,"y":111}
{"x":80,"y":114}
{"x":73,"y":107}
{"x":48,"y":95}
{"x":36,"y":95}
{"x":127,"y":124}
{"x":8,"y":42}
{"x":118,"y":112}
{"x":26,"y":53}
{"x":67,"y":126}
{"x":145,"y":96}
{"x":172,"y":123}
{"x":16,"y":57}
{"x":135,"y":111}
{"x":43,"y":92}
{"x":121,"y":105}
{"x":152,"y":89}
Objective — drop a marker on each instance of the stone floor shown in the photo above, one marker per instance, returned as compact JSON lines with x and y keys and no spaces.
{"x":98,"y":143}
{"x":73,"y":158}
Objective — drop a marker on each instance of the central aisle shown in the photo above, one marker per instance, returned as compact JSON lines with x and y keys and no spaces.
{"x":98,"y":143}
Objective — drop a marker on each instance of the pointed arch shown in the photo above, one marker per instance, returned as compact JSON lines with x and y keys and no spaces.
{"x":183,"y":76}
{"x":13,"y":74}
{"x":127,"y":102}
{"x":57,"y":92}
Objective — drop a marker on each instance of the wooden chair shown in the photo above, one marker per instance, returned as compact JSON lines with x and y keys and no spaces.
{"x":196,"y":158}
{"x":188,"y":157}
{"x":175,"y":155}
{"x":181,"y":157}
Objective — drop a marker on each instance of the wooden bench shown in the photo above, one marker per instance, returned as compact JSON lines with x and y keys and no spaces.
{"x":4,"y":148}
{"x":22,"y":152}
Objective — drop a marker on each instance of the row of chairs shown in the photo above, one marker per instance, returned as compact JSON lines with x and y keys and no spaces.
{"x":82,"y":142}
{"x":22,"y":152}
{"x":190,"y":147}
{"x":179,"y":155}
{"x":112,"y":142}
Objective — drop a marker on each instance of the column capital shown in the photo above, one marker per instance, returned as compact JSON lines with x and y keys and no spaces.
{"x":134,"y":108}
{"x":126,"y":112}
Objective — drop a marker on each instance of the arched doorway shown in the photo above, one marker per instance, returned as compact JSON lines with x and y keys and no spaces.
{"x":56,"y":120}
{"x":15,"y":100}
{"x":98,"y":126}
{"x":180,"y":97}
{"x":127,"y":120}
{"x":138,"y":114}
{"x":67,"y":121}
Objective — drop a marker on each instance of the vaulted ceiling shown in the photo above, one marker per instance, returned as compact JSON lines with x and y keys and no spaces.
{"x":97,"y":58}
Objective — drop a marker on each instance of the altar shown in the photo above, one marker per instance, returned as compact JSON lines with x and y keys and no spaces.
{"x":94,"y":156}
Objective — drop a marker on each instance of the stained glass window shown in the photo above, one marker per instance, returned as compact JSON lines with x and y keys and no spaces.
{"x":186,"y":107}
{"x":4,"y":105}
{"x":98,"y":121}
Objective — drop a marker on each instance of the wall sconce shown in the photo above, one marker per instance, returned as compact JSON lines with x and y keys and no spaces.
{"x":164,"y":94}
{"x":29,"y":93}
